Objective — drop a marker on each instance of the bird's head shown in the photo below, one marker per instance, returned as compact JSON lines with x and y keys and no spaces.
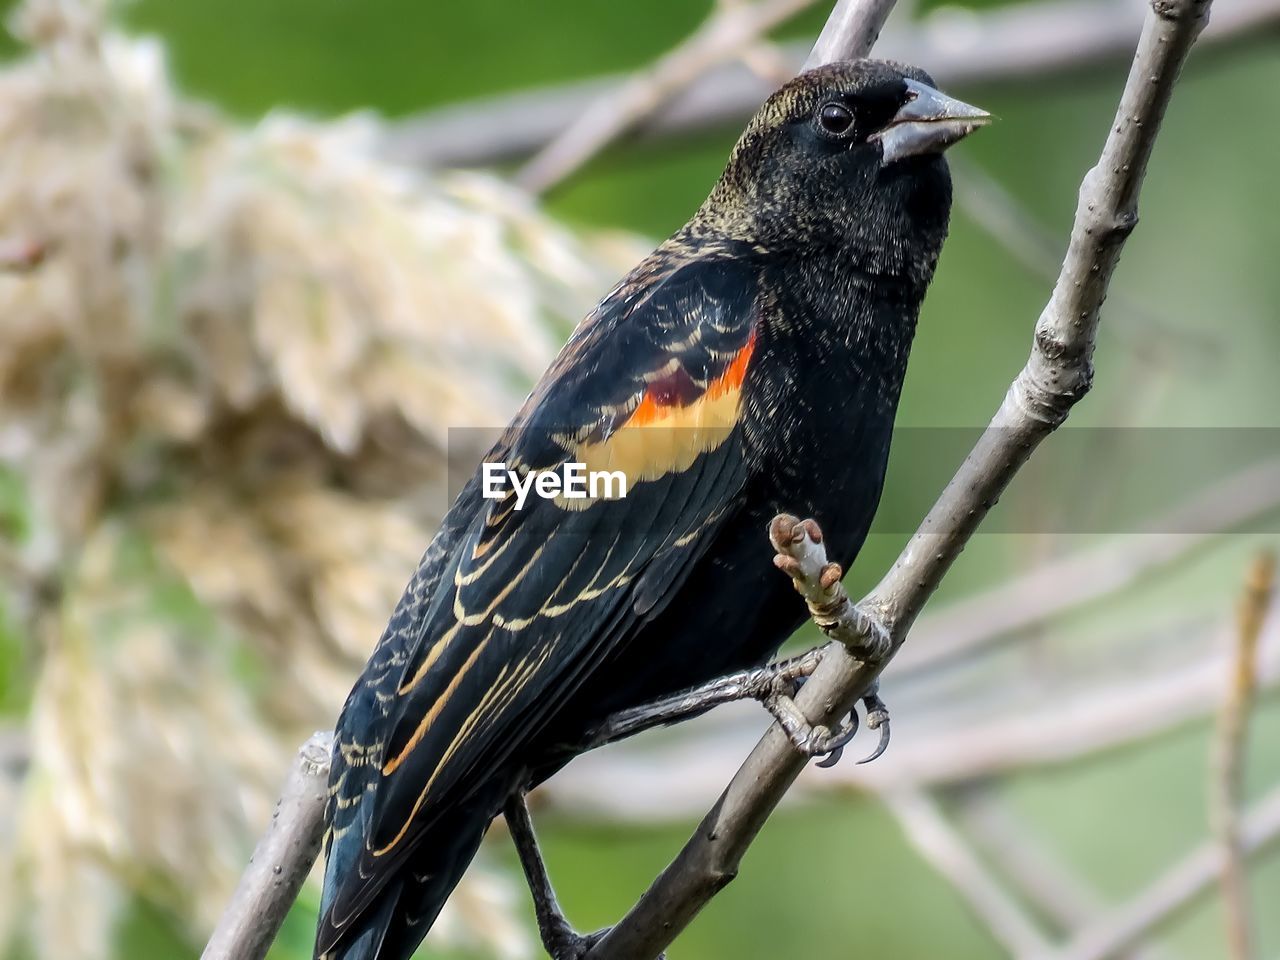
{"x":848,"y":154}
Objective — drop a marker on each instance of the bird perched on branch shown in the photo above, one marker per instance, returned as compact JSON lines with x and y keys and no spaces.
{"x":751,"y":365}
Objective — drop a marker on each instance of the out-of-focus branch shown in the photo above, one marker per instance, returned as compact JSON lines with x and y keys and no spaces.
{"x":1182,"y":885}
{"x":1229,"y":751}
{"x":942,"y":845}
{"x":1010,"y":44}
{"x":280,"y":863}
{"x":728,"y":32}
{"x":1005,"y":219}
{"x":767,"y":61}
{"x":1066,"y":899}
{"x":1060,"y":586}
{"x":1058,"y":373}
{"x":950,"y":746}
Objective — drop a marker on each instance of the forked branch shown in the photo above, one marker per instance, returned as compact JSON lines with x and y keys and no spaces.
{"x":1056,"y":376}
{"x":1058,"y":373}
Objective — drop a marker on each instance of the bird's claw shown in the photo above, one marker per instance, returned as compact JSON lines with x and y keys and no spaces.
{"x":876,"y":641}
{"x":835,"y":749}
{"x":877,"y":719}
{"x":816,"y":740}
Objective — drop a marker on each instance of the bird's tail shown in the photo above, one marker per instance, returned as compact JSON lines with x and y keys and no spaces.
{"x":364,"y":941}
{"x":393,"y":924}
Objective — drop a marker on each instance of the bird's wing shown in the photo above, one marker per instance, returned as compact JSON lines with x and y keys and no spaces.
{"x":514,"y":607}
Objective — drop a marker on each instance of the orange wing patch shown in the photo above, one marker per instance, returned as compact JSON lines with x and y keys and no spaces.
{"x":674,"y":423}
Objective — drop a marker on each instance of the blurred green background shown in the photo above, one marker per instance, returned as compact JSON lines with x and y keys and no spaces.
{"x":834,"y":878}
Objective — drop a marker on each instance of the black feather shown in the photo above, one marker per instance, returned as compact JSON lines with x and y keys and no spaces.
{"x":790,"y":300}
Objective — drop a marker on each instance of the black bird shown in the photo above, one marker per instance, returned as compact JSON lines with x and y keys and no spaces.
{"x":751,"y":365}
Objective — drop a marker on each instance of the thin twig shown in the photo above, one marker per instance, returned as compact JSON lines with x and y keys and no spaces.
{"x":943,"y":846}
{"x":1061,"y":586}
{"x":1058,"y":373}
{"x":1003,"y":46}
{"x":728,"y":32}
{"x":1227,"y":785}
{"x":280,"y":863}
{"x":1182,"y":885}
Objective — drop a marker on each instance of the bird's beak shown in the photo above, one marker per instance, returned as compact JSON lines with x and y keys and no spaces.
{"x":928,"y":123}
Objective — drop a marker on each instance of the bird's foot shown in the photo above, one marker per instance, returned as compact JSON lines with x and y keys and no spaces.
{"x":876,"y":641}
{"x":817,"y":740}
{"x":800,"y":554}
{"x":782,"y":677}
{"x":565,"y":944}
{"x":877,"y":719}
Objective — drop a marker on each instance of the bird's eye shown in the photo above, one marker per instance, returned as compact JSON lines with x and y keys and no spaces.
{"x":835,"y":118}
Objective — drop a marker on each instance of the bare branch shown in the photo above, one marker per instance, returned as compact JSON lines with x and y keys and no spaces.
{"x":1015,"y":43}
{"x":728,"y":32}
{"x":1060,"y":369}
{"x":1000,"y":214}
{"x":1083,"y":577}
{"x":954,"y":752}
{"x":280,"y":863}
{"x":850,"y":32}
{"x":1229,"y":751}
{"x":1182,"y":885}
{"x":942,"y":845}
{"x":1058,"y":373}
